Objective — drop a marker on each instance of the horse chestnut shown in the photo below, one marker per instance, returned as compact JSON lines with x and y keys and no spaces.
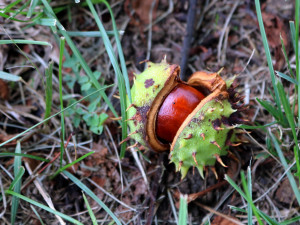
{"x":181,"y":101}
{"x":195,"y":120}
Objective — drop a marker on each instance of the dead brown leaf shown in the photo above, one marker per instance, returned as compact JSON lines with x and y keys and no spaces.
{"x":4,"y":138}
{"x":4,"y":90}
{"x":284,"y":193}
{"x":275,"y":28}
{"x":100,"y":154}
{"x":219,"y":220}
{"x":142,"y":10}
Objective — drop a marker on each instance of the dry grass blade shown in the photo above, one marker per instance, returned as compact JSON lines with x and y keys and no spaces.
{"x":229,"y":218}
{"x":43,"y":193}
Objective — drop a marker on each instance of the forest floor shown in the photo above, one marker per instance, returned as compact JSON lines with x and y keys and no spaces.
{"x":140,"y":188}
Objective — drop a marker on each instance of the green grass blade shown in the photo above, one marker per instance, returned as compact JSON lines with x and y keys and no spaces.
{"x":297,"y":54}
{"x":113,"y":59}
{"x":17,"y":184}
{"x":120,"y":51}
{"x":91,"y":213}
{"x":12,"y":154}
{"x":76,"y":52}
{"x":62,"y":118}
{"x":71,"y":164}
{"x":17,"y":20}
{"x":36,"y":125}
{"x":286,"y":57}
{"x":249,"y":188}
{"x":258,"y":126}
{"x":9,"y":76}
{"x":11,"y":5}
{"x":27,"y":42}
{"x":268,"y":56}
{"x":245,"y":196}
{"x":92,"y":195}
{"x":48,"y":92}
{"x":33,"y":4}
{"x":183,"y":211}
{"x":290,"y":118}
{"x":250,"y":203}
{"x":285,"y":165}
{"x":37,"y":214}
{"x":293,"y":220}
{"x":286,"y":77}
{"x":237,"y":209}
{"x":270,"y":108}
{"x":17,"y":178}
{"x":89,"y":33}
{"x":268,"y":219}
{"x":234,"y":185}
{"x":293,"y":33}
{"x":287,"y":109}
{"x":48,"y":209}
{"x":49,"y":22}
{"x":125,"y":78}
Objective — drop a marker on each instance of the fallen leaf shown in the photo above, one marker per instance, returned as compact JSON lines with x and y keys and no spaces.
{"x":275,"y":28}
{"x":4,"y":90}
{"x":219,"y":220}
{"x":142,"y":10}
{"x":284,"y":193}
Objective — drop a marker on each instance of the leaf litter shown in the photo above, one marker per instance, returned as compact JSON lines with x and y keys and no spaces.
{"x":100,"y":171}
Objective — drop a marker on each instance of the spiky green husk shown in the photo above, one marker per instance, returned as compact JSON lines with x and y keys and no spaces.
{"x":203,"y":138}
{"x":146,"y":87}
{"x":206,"y":133}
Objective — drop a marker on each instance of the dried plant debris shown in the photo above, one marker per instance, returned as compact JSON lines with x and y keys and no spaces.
{"x":143,"y":187}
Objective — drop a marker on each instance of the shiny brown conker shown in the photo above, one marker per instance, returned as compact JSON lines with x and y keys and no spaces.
{"x":180,"y":102}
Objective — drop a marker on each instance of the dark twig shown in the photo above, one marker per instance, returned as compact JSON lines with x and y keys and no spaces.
{"x":188,"y":38}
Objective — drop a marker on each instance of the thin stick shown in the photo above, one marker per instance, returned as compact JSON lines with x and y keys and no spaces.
{"x":187,"y":39}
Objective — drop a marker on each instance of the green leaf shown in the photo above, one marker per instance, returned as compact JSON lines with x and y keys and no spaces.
{"x":76,"y":121}
{"x":83,"y":79}
{"x":97,"y":74}
{"x":102,"y":118}
{"x":93,"y":105}
{"x":97,"y":129}
{"x":86,"y":86}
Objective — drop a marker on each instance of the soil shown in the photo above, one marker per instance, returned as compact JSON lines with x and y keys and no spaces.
{"x":225,"y":35}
